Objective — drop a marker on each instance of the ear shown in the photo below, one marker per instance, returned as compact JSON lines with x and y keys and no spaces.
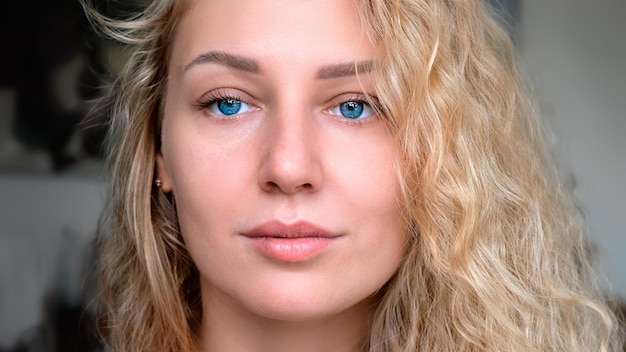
{"x":162,"y":173}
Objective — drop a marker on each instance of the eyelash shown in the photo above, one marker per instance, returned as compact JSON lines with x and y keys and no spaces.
{"x":368,"y":100}
{"x":211,"y":98}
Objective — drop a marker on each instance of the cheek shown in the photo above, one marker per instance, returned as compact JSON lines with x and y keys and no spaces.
{"x":206,"y":180}
{"x":368,"y":174}
{"x":213,"y":186}
{"x":370,"y":192}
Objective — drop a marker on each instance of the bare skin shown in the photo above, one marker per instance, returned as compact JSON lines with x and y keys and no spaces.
{"x":282,"y":172}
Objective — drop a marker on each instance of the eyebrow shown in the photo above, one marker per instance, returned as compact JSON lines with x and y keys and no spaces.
{"x":219,"y":57}
{"x":344,"y":70}
{"x":250,"y":65}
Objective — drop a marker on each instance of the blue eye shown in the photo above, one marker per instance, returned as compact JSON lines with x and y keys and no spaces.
{"x":228,"y":106}
{"x":353,"y":110}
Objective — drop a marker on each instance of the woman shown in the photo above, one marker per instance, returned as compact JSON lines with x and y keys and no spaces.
{"x":335,"y":176}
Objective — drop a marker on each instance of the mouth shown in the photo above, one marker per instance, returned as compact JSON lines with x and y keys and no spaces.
{"x":297,"y":242}
{"x":300,"y":229}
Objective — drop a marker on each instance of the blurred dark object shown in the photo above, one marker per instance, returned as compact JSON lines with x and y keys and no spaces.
{"x":66,"y":329}
{"x":53,"y":66}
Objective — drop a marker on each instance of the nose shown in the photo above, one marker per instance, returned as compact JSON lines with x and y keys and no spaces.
{"x":291,"y":160}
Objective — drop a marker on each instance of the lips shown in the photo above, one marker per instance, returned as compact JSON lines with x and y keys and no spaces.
{"x":297,"y":242}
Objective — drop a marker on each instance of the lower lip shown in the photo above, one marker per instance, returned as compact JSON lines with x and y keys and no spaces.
{"x":291,"y":249}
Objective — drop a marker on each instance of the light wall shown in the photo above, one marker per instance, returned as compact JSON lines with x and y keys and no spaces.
{"x":48,"y":224}
{"x":575,"y":54}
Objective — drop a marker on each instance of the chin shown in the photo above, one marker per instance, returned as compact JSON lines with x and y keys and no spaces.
{"x":311,"y":305}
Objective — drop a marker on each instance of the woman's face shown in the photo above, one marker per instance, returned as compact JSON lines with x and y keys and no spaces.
{"x":282,"y":173}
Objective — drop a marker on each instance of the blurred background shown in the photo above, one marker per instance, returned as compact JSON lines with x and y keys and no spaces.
{"x":52,"y":187}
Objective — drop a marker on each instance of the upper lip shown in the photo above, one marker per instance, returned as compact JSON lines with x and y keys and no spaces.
{"x":299,"y":229}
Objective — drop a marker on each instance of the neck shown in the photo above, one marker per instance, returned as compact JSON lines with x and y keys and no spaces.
{"x":227,"y":327}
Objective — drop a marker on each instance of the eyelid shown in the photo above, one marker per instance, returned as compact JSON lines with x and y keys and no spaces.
{"x":365,"y":98}
{"x":207,"y":104}
{"x":214,"y":95}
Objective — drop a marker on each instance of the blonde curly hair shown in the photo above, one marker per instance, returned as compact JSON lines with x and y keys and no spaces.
{"x":496,"y":258}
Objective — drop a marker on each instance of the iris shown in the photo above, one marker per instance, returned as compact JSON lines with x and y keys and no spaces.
{"x":229,"y":106}
{"x":351,"y":109}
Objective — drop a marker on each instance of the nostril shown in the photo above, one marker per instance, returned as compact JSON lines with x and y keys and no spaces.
{"x":271,"y":185}
{"x":290,"y":164}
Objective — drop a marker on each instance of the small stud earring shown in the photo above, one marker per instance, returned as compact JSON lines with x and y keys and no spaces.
{"x":158,"y":182}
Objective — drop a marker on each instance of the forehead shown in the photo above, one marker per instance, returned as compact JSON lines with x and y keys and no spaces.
{"x":327,"y":30}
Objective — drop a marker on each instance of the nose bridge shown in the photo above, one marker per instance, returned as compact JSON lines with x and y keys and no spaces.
{"x":291,"y":160}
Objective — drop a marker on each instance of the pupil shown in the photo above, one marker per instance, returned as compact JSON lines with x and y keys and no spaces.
{"x":351,"y":109}
{"x":229,"y":106}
